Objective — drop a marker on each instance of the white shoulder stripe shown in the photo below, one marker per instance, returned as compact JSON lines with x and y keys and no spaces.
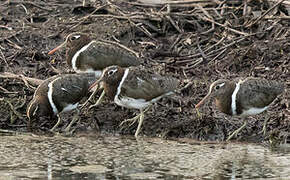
{"x":121,"y":83}
{"x":75,"y":57}
{"x":49,"y":95}
{"x":234,"y":98}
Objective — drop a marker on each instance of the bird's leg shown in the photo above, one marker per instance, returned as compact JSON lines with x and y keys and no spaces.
{"x":235,"y":133}
{"x":99,"y":100}
{"x":74,"y":119}
{"x":57,"y":123}
{"x":133,"y":120}
{"x":29,"y":122}
{"x":198,"y":113}
{"x":140,"y":123}
{"x":90,"y":98}
{"x":264,"y":126}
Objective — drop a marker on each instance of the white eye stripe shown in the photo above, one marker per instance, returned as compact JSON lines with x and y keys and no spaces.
{"x":76,"y":36}
{"x":219,"y":85}
{"x":216,"y":86}
{"x":111,"y":72}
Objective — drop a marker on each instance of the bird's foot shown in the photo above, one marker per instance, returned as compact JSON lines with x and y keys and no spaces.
{"x":98,"y":101}
{"x":67,"y":129}
{"x":264,"y":130}
{"x":68,"y":132}
{"x":199,"y":116}
{"x":94,"y":105}
{"x":236,"y":132}
{"x":89,"y":99}
{"x":131,"y":120}
{"x":57,"y":123}
{"x":83,"y":105}
{"x":141,"y":115}
{"x":53,"y":128}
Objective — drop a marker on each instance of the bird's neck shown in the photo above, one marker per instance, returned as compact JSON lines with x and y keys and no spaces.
{"x":224,"y":100}
{"x":73,"y":50}
{"x":44,"y":106}
{"x":112,"y":87}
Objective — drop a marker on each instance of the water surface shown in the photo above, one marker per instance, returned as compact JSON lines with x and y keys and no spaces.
{"x":103,"y":157}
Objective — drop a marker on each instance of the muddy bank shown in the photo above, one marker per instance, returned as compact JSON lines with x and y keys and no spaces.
{"x":197,"y":43}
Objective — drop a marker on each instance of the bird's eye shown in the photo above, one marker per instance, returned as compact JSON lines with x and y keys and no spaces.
{"x":74,"y":37}
{"x":111,"y":72}
{"x":219,"y":86}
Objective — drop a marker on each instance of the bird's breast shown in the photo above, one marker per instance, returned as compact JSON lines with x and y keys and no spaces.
{"x":223,"y":106}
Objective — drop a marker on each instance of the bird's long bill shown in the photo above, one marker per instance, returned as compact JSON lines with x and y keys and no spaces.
{"x":203,"y":100}
{"x":57,"y":48}
{"x":96,"y":83}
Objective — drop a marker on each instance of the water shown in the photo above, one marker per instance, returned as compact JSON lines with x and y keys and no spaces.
{"x":102,"y":157}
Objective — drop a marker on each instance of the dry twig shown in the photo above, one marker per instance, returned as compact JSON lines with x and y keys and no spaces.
{"x":263,"y":15}
{"x":26,"y":80}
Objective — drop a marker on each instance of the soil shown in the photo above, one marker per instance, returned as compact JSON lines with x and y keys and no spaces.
{"x":197,"y":43}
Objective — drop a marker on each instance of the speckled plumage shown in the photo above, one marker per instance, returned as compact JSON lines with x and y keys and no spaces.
{"x":139,"y":83}
{"x":67,"y":90}
{"x":95,"y":55}
{"x":258,"y":93}
{"x":136,"y":87}
{"x":253,"y":93}
{"x":243,"y":97}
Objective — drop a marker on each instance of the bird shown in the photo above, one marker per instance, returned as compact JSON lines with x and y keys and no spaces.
{"x":135,"y":88}
{"x":84,"y":54}
{"x":57,"y":94}
{"x":243,"y":97}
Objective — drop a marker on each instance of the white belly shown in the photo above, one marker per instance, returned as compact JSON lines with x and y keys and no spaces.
{"x":253,"y":111}
{"x":132,"y":103}
{"x":98,"y":73}
{"x":70,"y":107}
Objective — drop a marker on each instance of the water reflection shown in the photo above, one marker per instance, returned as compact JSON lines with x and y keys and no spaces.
{"x":101,"y":157}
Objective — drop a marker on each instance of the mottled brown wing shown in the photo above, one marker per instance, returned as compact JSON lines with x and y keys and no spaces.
{"x":106,"y":54}
{"x":259,"y":92}
{"x":43,"y":87}
{"x":142,"y":84}
{"x":70,"y":89}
